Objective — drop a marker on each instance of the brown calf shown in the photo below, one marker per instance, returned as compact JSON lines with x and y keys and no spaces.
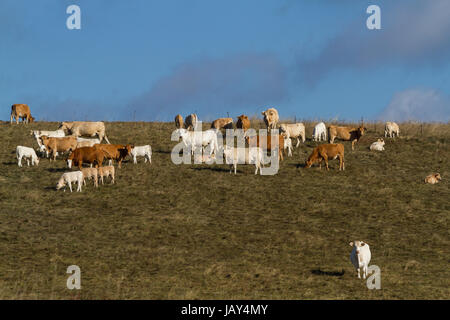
{"x":325,"y":152}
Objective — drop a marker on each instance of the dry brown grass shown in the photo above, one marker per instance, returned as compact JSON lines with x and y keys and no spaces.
{"x":197,"y":232}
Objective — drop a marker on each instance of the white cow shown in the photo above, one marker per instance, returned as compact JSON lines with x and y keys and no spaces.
{"x":288,"y":145}
{"x":27,"y":153}
{"x":320,"y":132}
{"x":377,"y":145}
{"x":360,"y":256}
{"x":193,"y":139}
{"x":87,"y":142}
{"x":391,"y":129}
{"x":143,"y":151}
{"x":294,"y":130}
{"x":253,"y":155}
{"x":69,"y":177}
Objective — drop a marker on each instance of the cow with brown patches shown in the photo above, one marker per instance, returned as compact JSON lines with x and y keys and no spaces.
{"x":21,"y":111}
{"x":225,"y":123}
{"x":324,"y":152}
{"x":116,"y":152}
{"x":271,"y":118}
{"x":243,"y":123}
{"x":191,"y":121}
{"x":178,"y":121}
{"x":433,"y":178}
{"x":346,"y":134}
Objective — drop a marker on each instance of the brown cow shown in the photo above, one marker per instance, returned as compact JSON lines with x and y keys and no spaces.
{"x":116,"y":152}
{"x":190,"y":121}
{"x":433,"y":178}
{"x":265,"y":142}
{"x":243,"y":123}
{"x":325,"y":152}
{"x":63,"y":144}
{"x":346,"y":134}
{"x":178,"y":121}
{"x":21,"y":111}
{"x":82,"y":155}
{"x":226,"y":123}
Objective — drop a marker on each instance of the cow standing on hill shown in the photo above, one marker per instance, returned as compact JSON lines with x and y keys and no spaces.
{"x":85,"y":128}
{"x":346,"y":134}
{"x":324,"y":152}
{"x":271,"y":118}
{"x":243,"y":123}
{"x":21,"y":111}
{"x":391,"y":130}
{"x":178,"y":121}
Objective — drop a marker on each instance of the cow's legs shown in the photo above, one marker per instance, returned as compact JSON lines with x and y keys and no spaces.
{"x":20,"y":161}
{"x":135,"y":160}
{"x":298,"y":142}
{"x":70,"y":185}
{"x":28,"y":161}
{"x":359,"y":273}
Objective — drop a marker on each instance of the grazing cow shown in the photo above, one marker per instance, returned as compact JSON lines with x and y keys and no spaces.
{"x":178,"y":121}
{"x":55,"y":145}
{"x":320,"y":132}
{"x":193,"y":139}
{"x":265,"y":142}
{"x":116,"y":152}
{"x":253,"y":155}
{"x":346,"y":134}
{"x":190,"y":121}
{"x":67,"y":179}
{"x":83,"y":142}
{"x":88,"y":155}
{"x":106,"y":171}
{"x":21,"y":111}
{"x":433,"y":178}
{"x":27,"y":153}
{"x":51,"y":134}
{"x":204,"y":158}
{"x":85,"y":128}
{"x":226,"y":123}
{"x":295,"y":131}
{"x":89,"y":173}
{"x":270,"y":118}
{"x":243,"y":123}
{"x":325,"y":152}
{"x":360,"y":256}
{"x":377,"y":145}
{"x":391,"y":129}
{"x":143,"y":151}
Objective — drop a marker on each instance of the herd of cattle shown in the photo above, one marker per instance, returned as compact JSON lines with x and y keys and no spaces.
{"x":92,"y":152}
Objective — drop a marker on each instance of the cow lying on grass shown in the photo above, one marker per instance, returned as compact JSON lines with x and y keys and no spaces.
{"x":433,"y":178}
{"x":377,"y":145}
{"x":325,"y":152}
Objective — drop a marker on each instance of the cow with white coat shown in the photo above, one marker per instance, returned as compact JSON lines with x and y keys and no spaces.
{"x":142,"y":151}
{"x":193,"y":139}
{"x":294,"y":131}
{"x":27,"y":153}
{"x":320,"y":132}
{"x":377,"y":145}
{"x":391,"y":130}
{"x":360,"y":257}
{"x":235,"y":156}
{"x":69,"y":177}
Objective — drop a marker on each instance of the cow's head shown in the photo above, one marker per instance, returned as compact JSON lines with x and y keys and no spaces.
{"x":357,"y":245}
{"x":65,"y":126}
{"x":243,"y":117}
{"x":60,"y":183}
{"x":437,"y":176}
{"x":31,"y":119}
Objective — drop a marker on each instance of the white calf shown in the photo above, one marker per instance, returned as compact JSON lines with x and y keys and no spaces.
{"x":377,"y":145}
{"x":360,"y":256}
{"x":295,"y":130}
{"x":320,"y":132}
{"x":193,"y":139}
{"x":288,"y":145}
{"x":142,"y":151}
{"x":253,"y":155}
{"x":27,"y":153}
{"x":68,"y":178}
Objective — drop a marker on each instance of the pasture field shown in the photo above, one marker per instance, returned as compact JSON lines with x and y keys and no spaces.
{"x":167,"y":231}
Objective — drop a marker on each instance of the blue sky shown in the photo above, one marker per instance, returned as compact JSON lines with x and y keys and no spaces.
{"x":150,"y":60}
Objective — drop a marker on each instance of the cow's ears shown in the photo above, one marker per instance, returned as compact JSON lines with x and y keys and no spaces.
{"x":263,"y":113}
{"x":351,"y":244}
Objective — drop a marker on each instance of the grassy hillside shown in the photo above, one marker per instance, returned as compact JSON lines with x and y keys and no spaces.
{"x":196,"y":232}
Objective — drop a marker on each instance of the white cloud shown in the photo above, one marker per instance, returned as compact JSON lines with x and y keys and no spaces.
{"x":418,"y":105}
